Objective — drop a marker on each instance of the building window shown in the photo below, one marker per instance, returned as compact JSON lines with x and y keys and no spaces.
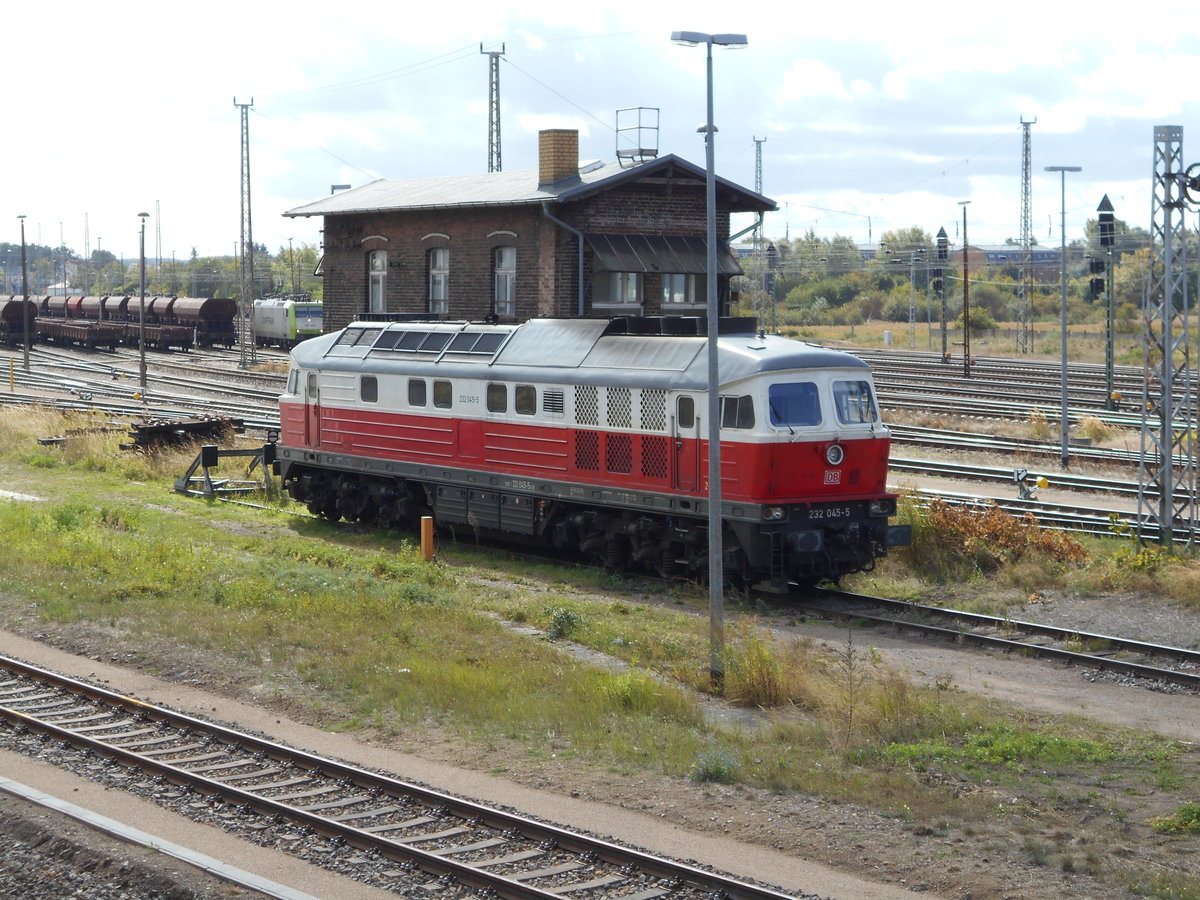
{"x":680,"y":289}
{"x":439,"y":280}
{"x":377,"y":281}
{"x":504,"y":280}
{"x":618,"y":288}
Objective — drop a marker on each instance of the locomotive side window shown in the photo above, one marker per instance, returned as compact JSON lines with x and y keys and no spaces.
{"x":854,"y":403}
{"x":368,"y":389}
{"x":737,"y":412}
{"x":312,"y":386}
{"x":443,"y":395}
{"x":416,"y":392}
{"x":525,"y":400}
{"x":685,"y":412}
{"x":497,"y":397}
{"x":794,"y":404}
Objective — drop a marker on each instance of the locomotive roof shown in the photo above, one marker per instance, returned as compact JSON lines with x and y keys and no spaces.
{"x":599,"y":351}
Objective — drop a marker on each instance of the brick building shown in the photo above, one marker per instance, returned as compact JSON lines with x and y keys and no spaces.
{"x":603,"y":240}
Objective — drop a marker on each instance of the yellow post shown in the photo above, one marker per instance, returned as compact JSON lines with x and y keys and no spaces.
{"x":427,"y":537}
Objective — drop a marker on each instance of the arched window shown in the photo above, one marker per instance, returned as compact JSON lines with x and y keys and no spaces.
{"x":504,"y":280}
{"x":377,"y":281}
{"x":439,"y":280}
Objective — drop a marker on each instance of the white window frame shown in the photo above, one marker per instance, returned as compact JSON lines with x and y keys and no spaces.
{"x":439,"y":280}
{"x":377,"y":281}
{"x":504,"y":280}
{"x":619,"y":289}
{"x":678,"y":289}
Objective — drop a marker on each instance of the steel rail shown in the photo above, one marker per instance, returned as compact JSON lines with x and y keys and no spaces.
{"x":1181,"y":655}
{"x":676,"y":876}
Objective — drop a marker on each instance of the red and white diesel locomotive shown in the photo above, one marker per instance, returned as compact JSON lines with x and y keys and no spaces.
{"x":589,"y":435}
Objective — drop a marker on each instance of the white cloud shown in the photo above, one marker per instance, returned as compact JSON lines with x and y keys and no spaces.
{"x":811,"y":78}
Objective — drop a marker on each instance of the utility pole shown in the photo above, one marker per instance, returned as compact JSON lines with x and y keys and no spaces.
{"x":157,"y":236}
{"x":1025,"y":326}
{"x":939,"y":284}
{"x":493,"y":106}
{"x":246,"y":307}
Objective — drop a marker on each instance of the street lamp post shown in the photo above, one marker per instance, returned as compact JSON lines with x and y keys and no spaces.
{"x":142,"y":306}
{"x":716,"y":572}
{"x":1062,"y":177}
{"x":25,"y":292}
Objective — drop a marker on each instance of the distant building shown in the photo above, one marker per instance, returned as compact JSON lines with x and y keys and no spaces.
{"x":606,"y":239}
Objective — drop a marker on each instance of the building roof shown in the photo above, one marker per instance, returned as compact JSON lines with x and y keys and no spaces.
{"x":517,"y":189}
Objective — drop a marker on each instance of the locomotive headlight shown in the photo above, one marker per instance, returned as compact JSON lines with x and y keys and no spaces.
{"x":882,"y":507}
{"x":773,"y":513}
{"x":834,"y":454}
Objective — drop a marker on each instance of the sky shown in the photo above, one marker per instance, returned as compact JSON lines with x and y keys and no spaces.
{"x":869,"y":116}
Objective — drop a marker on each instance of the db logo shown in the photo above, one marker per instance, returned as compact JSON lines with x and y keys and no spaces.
{"x":833,"y":476}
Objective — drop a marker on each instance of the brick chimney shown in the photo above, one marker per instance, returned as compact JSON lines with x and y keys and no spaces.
{"x":558,"y":155}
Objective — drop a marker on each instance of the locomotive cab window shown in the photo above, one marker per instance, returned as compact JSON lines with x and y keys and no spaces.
{"x":368,"y":389}
{"x":497,"y":398}
{"x":416,"y":392}
{"x":795,"y":404}
{"x":685,"y":412}
{"x":293,"y":381}
{"x":443,"y":394}
{"x":525,"y":400}
{"x":312,"y":386}
{"x":854,"y":403}
{"x":737,"y":412}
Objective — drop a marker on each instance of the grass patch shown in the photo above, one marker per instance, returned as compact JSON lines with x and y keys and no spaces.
{"x":356,"y":625}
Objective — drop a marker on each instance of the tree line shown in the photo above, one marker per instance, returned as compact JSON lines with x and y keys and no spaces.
{"x":812,"y":280}
{"x":61,"y":270}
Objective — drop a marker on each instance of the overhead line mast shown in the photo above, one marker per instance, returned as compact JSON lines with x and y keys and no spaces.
{"x":1167,"y":471}
{"x":246,"y":307}
{"x":493,"y":107}
{"x":1025,"y":327}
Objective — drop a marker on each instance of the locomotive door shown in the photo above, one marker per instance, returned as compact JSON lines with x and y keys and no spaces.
{"x":687,"y":445}
{"x":312,"y":410}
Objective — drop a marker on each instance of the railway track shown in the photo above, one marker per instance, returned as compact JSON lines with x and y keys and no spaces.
{"x":1157,"y":664}
{"x":207,"y":382}
{"x":400,"y":833}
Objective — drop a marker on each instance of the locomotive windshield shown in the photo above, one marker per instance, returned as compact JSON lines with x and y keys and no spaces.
{"x":795,"y":403}
{"x":854,"y":402}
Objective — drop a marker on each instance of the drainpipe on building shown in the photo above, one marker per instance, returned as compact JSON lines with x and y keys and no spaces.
{"x":578,"y":234}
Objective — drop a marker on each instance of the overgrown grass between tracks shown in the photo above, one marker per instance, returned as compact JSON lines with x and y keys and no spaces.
{"x":534,"y":663}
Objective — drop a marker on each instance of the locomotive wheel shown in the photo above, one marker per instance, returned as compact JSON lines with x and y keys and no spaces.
{"x":616,"y":554}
